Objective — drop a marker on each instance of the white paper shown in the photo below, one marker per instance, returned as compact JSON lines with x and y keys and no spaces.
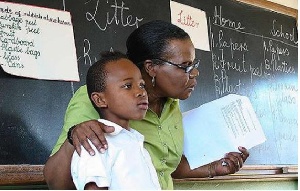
{"x":219,"y":127}
{"x":193,"y":21}
{"x":37,"y":42}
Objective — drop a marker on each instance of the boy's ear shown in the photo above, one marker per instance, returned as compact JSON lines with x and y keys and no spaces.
{"x":99,"y":99}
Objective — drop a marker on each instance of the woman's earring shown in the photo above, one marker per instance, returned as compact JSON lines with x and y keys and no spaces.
{"x":153,"y":81}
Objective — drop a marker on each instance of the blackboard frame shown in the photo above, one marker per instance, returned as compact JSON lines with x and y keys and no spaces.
{"x":27,"y":174}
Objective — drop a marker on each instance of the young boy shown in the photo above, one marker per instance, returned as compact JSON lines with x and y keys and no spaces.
{"x":117,"y":91}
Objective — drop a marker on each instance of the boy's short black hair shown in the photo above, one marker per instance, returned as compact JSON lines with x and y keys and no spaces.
{"x":96,"y":75}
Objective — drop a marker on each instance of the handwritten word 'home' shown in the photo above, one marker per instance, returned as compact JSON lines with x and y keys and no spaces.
{"x":224,"y":22}
{"x":187,"y":20}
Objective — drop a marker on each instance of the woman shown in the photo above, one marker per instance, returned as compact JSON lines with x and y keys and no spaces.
{"x":165,"y":55}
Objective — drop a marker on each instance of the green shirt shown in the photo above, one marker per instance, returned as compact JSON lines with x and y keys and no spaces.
{"x":163,"y":136}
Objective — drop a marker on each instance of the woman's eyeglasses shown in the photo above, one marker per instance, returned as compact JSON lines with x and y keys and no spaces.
{"x":186,"y":68}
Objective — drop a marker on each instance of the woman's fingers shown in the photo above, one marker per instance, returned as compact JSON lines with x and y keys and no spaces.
{"x":90,"y":130}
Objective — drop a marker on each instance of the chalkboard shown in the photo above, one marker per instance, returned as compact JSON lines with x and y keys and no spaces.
{"x":249,"y":57}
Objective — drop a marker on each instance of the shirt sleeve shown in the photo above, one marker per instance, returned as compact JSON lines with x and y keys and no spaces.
{"x":87,"y":168}
{"x":80,"y":109}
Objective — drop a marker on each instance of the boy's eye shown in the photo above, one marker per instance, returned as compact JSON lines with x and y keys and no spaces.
{"x":127,"y":86}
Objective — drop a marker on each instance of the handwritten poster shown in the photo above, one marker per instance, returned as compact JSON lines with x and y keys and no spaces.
{"x":193,"y":21}
{"x":37,"y":42}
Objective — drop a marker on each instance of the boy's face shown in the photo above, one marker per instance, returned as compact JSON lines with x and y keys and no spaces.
{"x":125,"y":93}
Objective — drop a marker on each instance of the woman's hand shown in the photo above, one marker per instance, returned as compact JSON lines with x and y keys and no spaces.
{"x":231,"y":163}
{"x":94,"y":131}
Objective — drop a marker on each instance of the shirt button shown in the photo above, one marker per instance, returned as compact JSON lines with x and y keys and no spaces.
{"x":163,"y":161}
{"x":159,"y":127}
{"x":161,"y":173}
{"x":165,"y":145}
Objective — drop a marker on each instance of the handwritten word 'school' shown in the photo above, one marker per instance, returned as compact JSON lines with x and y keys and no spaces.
{"x":275,"y":32}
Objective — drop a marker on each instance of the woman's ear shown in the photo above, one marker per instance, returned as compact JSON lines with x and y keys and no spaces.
{"x":150,"y":68}
{"x":99,"y":99}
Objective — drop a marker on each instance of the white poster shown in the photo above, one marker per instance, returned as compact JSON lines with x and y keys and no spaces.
{"x":37,"y":42}
{"x":193,"y":21}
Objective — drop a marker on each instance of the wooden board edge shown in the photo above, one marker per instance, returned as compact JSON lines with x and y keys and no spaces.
{"x":273,"y":7}
{"x":24,"y":174}
{"x":33,"y":174}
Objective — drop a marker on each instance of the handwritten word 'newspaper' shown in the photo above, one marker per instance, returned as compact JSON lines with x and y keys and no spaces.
{"x":37,"y":42}
{"x":193,"y":21}
{"x":219,"y":127}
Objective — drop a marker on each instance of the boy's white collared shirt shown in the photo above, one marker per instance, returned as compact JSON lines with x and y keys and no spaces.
{"x":125,"y":165}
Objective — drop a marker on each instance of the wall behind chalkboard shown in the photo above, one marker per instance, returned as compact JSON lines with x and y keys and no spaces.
{"x":253,"y":53}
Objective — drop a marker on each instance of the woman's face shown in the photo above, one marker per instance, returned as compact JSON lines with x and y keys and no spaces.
{"x":174,"y":82}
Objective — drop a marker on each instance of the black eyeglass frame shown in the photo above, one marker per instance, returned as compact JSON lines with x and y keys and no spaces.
{"x":187,"y":69}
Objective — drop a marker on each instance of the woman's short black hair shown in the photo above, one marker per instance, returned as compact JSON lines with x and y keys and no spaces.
{"x":151,"y":39}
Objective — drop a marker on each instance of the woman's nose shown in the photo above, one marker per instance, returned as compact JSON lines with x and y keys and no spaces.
{"x":194,"y":73}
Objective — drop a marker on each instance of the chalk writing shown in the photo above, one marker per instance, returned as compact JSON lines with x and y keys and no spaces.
{"x":279,"y":116}
{"x":224,"y":22}
{"x":86,"y":50}
{"x":282,"y":87}
{"x":286,"y":99}
{"x":221,"y":62}
{"x":273,"y":53}
{"x":222,"y":85}
{"x":278,"y":31}
{"x":288,"y":136}
{"x":275,"y":60}
{"x":275,"y":49}
{"x":117,"y":18}
{"x":231,"y":44}
{"x":259,"y":66}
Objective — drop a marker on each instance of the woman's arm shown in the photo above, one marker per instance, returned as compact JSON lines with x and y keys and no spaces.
{"x":57,"y":170}
{"x":231,"y":163}
{"x":93,"y":186}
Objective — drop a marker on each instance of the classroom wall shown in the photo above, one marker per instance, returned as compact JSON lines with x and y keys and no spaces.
{"x":289,"y":3}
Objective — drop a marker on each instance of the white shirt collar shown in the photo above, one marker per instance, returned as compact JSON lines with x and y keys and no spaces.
{"x":118,"y":129}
